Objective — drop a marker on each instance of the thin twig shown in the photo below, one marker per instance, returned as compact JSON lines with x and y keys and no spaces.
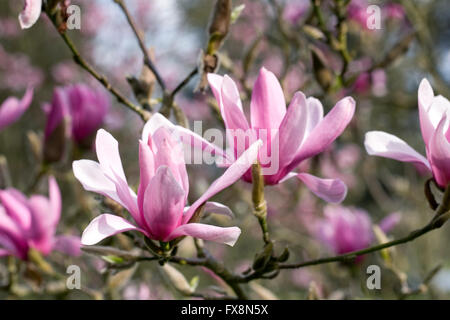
{"x":147,"y":59}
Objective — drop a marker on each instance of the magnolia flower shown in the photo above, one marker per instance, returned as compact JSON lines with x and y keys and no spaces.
{"x":345,"y":230}
{"x":30,"y":13}
{"x":159,"y":209}
{"x":289,"y":136}
{"x":434,"y":120}
{"x":13,"y":108}
{"x":84,"y":108}
{"x":31,"y":223}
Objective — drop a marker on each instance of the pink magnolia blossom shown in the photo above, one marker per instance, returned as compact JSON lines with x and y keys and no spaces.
{"x":31,"y":223}
{"x":434,"y":124}
{"x":289,"y":136}
{"x":82,"y":107}
{"x":159,"y":209}
{"x":345,"y":229}
{"x":30,"y":13}
{"x":13,"y":108}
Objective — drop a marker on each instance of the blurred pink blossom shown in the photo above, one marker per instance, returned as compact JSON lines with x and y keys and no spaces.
{"x":31,"y":223}
{"x":12,"y":108}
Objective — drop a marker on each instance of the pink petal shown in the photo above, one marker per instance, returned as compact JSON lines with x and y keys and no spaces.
{"x":189,"y":138}
{"x":108,"y":155}
{"x":268,"y":106}
{"x":425,"y":99}
{"x":146,"y":170}
{"x":12,"y":109}
{"x":55,"y":199}
{"x":163,"y":204}
{"x":170,"y":153}
{"x":228,"y":236}
{"x":230,"y":176}
{"x":315,"y":114}
{"x":104,"y":226}
{"x":4,"y":253}
{"x":43,"y":224}
{"x":236,"y":124}
{"x":30,"y":14}
{"x":12,"y":238}
{"x":439,"y":154}
{"x":330,"y":190}
{"x":386,"y":145}
{"x":92,"y":177}
{"x":70,"y":245}
{"x":292,"y":130}
{"x":217,"y":208}
{"x":15,"y":205}
{"x":326,"y":131}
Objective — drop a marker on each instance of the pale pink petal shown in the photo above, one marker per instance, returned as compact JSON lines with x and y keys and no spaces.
{"x":330,"y":190}
{"x":170,"y":153}
{"x":104,"y":226}
{"x":92,"y":177}
{"x":268,"y":106}
{"x":230,"y":176}
{"x":146,"y":170}
{"x":55,"y":199}
{"x":70,"y":245}
{"x":30,"y":13}
{"x":189,"y":138}
{"x":425,"y":97}
{"x":386,"y":145}
{"x":108,"y":155}
{"x":217,"y":208}
{"x":439,"y":154}
{"x":228,"y":236}
{"x":16,"y":207}
{"x":163,"y":204}
{"x":12,"y":109}
{"x":323,"y":135}
{"x":231,"y":106}
{"x":315,"y":114}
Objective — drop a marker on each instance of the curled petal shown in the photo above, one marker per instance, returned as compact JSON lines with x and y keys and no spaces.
{"x":425,"y":97}
{"x":330,"y":190}
{"x":30,"y":13}
{"x":439,"y":154}
{"x":217,"y":208}
{"x":13,"y":108}
{"x":386,"y":145}
{"x":104,"y":226}
{"x":228,"y":236}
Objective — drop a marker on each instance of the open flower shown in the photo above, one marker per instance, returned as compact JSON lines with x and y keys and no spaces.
{"x":30,"y":13}
{"x":13,"y":108}
{"x":31,"y":223}
{"x":345,"y":229}
{"x":289,"y":136}
{"x":159,"y":209}
{"x":434,"y":124}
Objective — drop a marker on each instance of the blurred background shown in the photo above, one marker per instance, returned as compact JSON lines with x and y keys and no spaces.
{"x":382,"y":73}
